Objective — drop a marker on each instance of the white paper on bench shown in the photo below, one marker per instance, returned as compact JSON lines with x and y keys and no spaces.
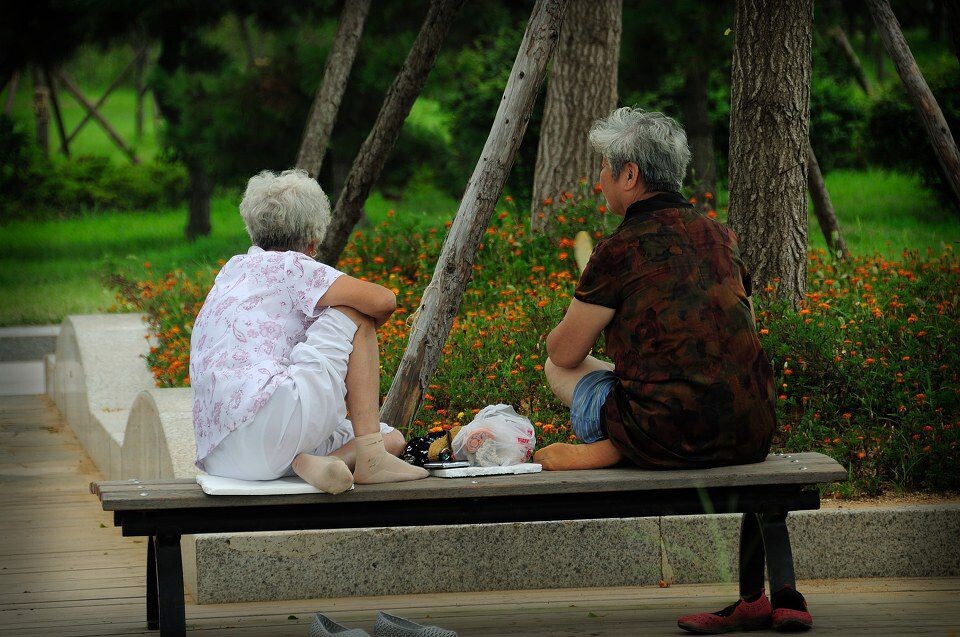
{"x":216,"y":485}
{"x":473,"y":472}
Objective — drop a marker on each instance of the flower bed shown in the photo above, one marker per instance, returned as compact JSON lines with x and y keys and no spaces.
{"x":867,"y":369}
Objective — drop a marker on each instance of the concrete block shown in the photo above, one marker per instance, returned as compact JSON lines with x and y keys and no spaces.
{"x":49,"y":375}
{"x":27,"y":343}
{"x":318,"y":564}
{"x":159,"y":441}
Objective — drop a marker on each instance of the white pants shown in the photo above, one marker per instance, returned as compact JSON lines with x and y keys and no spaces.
{"x":307,"y":413}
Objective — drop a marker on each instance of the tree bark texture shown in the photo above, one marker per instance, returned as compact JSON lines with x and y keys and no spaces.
{"x":199,"y":191}
{"x":843,"y":42}
{"x":581,"y":88}
{"x":823,"y":207}
{"x":326,"y":103}
{"x":929,"y":111}
{"x":702,"y":173}
{"x":769,"y":121}
{"x":396,"y":106}
{"x":441,"y":300}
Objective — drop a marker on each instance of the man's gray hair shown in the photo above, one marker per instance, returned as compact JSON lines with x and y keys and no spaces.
{"x":654,"y":142}
{"x":286,"y":211}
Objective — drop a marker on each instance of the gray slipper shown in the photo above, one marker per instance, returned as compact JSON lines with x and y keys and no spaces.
{"x":323,"y":626}
{"x":393,"y":626}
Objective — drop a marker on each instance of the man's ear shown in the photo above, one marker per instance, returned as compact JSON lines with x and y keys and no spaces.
{"x":632,"y":176}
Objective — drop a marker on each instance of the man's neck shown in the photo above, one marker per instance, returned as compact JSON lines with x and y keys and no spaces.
{"x":646,"y":194}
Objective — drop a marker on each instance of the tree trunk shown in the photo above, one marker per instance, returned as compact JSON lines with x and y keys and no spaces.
{"x":95,"y":114}
{"x":11,"y":93}
{"x":582,"y":87}
{"x":199,"y":190}
{"x":326,"y":103}
{"x":823,"y":207}
{"x":769,"y":121}
{"x":140,"y":88}
{"x":396,"y":106}
{"x":702,"y":174}
{"x":441,"y":300}
{"x":58,"y":118}
{"x":936,"y":126}
{"x":843,"y":42}
{"x":41,"y":97}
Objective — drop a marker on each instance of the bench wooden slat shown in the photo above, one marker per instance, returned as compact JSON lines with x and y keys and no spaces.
{"x":809,"y":469}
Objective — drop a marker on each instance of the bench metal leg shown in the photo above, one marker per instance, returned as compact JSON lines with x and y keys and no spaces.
{"x":776,"y":540}
{"x":153,"y":607}
{"x":752,"y":556}
{"x":173,"y":622}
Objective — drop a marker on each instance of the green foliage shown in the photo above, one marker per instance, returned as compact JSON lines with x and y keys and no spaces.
{"x":867,"y":368}
{"x":837,"y":117}
{"x":35,"y":187}
{"x":897,"y":139}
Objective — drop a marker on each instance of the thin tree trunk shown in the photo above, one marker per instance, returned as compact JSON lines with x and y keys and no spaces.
{"x":582,"y":87}
{"x":55,"y":102}
{"x":41,"y":95}
{"x":140,"y":88}
{"x":936,"y":126}
{"x":199,"y":190}
{"x":396,"y":106}
{"x":441,"y":300}
{"x":823,"y":207}
{"x":12,"y":93}
{"x":326,"y":103}
{"x":93,"y":112}
{"x":843,"y":42}
{"x":769,"y":115}
{"x":702,"y":174}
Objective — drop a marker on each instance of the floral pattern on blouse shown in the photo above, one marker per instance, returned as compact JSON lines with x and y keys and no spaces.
{"x":259,"y":308}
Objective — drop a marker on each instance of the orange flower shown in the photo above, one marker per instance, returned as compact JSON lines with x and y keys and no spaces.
{"x":548,"y":201}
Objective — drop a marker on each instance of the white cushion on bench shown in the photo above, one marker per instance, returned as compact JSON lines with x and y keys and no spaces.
{"x":215,"y":485}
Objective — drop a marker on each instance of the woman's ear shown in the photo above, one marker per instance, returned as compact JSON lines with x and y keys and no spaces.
{"x":631,"y":174}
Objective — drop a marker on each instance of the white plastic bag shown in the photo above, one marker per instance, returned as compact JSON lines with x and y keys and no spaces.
{"x":497,"y":437}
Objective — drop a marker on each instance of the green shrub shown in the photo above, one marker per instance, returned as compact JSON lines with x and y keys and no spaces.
{"x":897,"y":139}
{"x":867,"y":369}
{"x":37,"y":187}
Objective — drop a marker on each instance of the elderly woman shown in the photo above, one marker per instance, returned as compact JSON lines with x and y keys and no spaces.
{"x":284,"y":346}
{"x":689,"y":386}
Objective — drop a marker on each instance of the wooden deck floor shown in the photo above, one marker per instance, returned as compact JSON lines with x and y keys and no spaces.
{"x":64,"y":570}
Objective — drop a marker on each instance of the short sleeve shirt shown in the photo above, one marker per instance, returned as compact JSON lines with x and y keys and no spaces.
{"x":259,"y":308}
{"x":694,"y":387}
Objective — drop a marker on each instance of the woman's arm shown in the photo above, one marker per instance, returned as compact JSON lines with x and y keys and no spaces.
{"x":374,"y":300}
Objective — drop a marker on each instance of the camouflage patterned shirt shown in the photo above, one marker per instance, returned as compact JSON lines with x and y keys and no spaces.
{"x":694,"y":388}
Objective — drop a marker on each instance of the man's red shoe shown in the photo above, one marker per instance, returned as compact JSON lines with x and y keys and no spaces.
{"x":741,"y":615}
{"x":790,"y":612}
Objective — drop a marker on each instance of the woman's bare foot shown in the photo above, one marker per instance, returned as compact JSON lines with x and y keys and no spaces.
{"x":327,"y":473}
{"x":563,"y":457}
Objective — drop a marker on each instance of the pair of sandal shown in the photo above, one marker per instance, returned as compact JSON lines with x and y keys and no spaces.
{"x":787,"y":613}
{"x":386,"y":626}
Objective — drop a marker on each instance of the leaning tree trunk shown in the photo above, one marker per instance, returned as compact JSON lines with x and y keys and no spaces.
{"x":41,"y":99}
{"x":326,"y":103}
{"x":441,"y":299}
{"x":843,"y":42}
{"x":396,"y":106}
{"x":769,"y":115}
{"x":702,"y":174}
{"x":930,"y":114}
{"x":581,"y":88}
{"x":823,"y":207}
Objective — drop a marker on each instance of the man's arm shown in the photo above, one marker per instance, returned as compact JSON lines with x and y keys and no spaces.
{"x":374,"y":300}
{"x":570,"y":341}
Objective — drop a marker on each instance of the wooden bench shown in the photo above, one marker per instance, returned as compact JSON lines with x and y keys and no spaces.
{"x":165,"y":510}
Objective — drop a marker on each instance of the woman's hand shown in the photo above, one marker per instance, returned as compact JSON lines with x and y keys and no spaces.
{"x":376,"y":301}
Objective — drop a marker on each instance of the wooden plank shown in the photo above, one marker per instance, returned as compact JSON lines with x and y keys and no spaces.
{"x":810,"y":468}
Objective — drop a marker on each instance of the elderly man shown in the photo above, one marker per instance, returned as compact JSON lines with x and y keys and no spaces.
{"x":689,"y":386}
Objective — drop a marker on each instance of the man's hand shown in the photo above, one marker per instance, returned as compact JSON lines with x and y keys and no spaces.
{"x":570,"y":341}
{"x":376,"y":301}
